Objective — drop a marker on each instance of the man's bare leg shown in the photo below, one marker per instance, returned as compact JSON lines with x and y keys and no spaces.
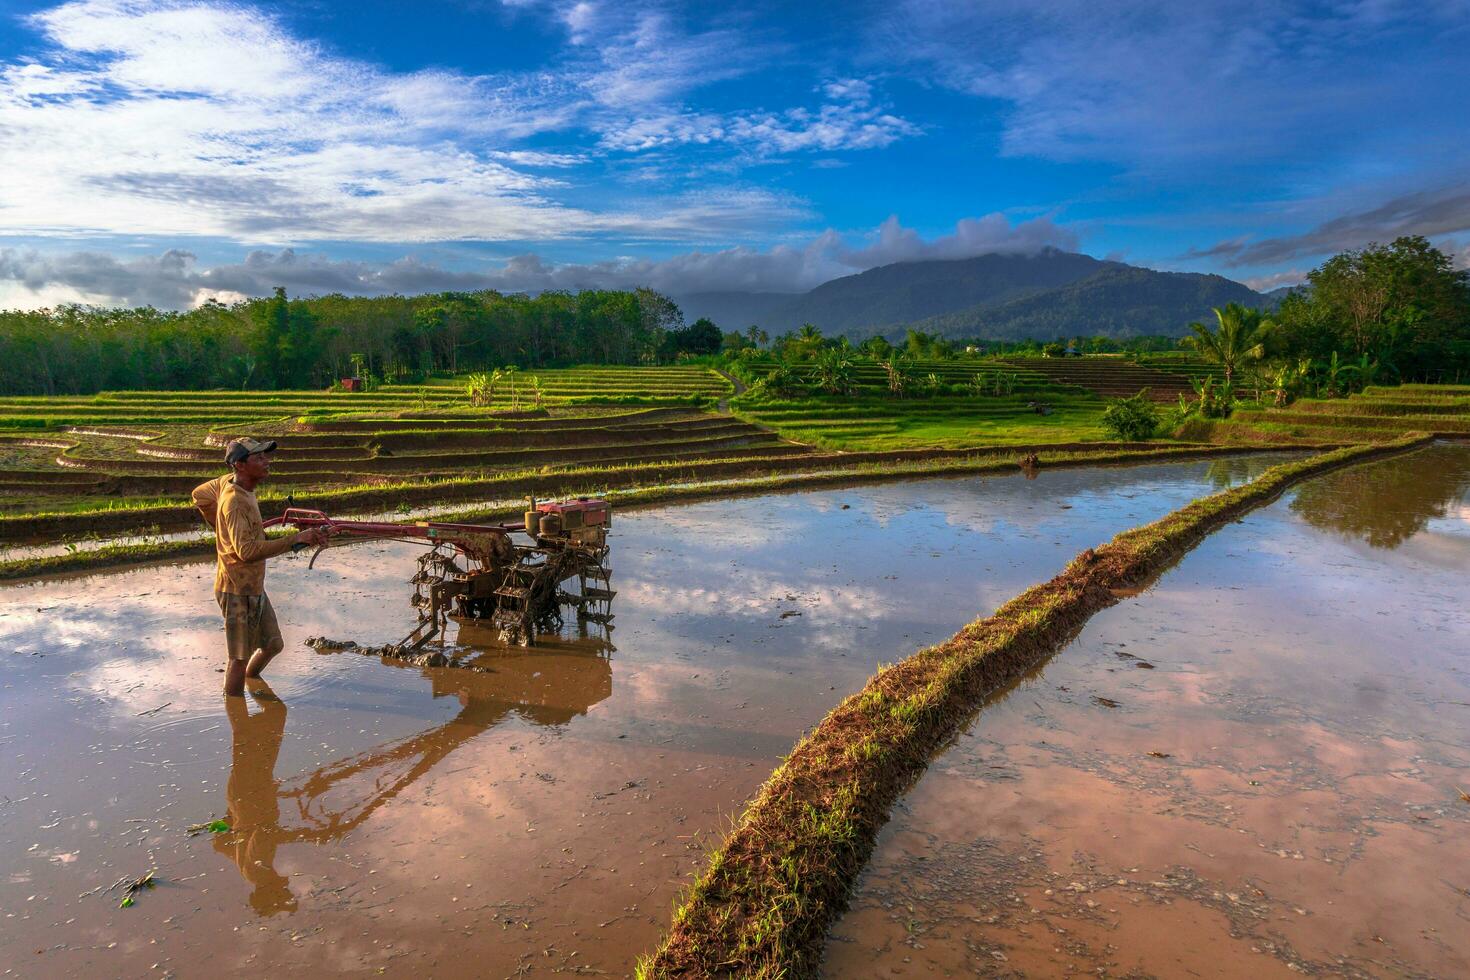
{"x":262,"y":657}
{"x":234,"y":677}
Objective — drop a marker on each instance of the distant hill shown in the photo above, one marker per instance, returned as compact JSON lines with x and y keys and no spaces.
{"x":1120,"y":302}
{"x":891,"y":295}
{"x":1044,"y":294}
{"x":1275,"y":296}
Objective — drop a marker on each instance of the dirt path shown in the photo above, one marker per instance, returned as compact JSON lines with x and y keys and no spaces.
{"x":740,"y":389}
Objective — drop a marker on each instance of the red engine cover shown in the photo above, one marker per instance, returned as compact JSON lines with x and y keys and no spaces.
{"x":593,"y":511}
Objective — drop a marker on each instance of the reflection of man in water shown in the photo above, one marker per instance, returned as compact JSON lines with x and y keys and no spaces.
{"x":254,"y":813}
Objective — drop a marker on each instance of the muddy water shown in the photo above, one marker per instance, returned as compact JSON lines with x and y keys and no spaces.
{"x":538,"y":816}
{"x":1253,"y":769}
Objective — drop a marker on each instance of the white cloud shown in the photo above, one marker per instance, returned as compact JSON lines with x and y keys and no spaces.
{"x":847,"y":119}
{"x":1459,"y":252}
{"x":580,"y":18}
{"x":207,"y":118}
{"x":1225,"y":83}
{"x":649,"y":61}
{"x":186,"y":118}
{"x":1432,"y":213}
{"x":1264,"y":284}
{"x":538,"y":158}
{"x":174,"y":280}
{"x":972,"y":236}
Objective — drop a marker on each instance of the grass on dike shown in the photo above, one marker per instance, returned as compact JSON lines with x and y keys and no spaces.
{"x":1360,"y":418}
{"x":763,"y":906}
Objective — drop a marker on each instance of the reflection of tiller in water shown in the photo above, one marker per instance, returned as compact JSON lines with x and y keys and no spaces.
{"x":334,"y":800}
{"x":518,"y":589}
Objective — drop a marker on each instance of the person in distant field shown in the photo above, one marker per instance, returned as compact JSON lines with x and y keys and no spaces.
{"x":252,"y":636}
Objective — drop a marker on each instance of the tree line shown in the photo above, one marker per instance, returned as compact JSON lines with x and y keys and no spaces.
{"x":282,"y":343}
{"x":1402,"y":306}
{"x":1381,"y":314}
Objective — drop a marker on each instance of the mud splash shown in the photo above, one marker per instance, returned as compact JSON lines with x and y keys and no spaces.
{"x":538,"y":812}
{"x":1279,"y":795}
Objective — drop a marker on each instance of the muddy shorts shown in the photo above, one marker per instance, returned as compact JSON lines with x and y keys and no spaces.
{"x":250,"y":624}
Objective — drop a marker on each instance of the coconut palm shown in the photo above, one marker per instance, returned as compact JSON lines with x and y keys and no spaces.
{"x":808,"y":341}
{"x":1240,"y":336}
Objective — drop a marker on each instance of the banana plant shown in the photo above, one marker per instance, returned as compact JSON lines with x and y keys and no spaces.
{"x":478,"y":387}
{"x":1367,"y":371}
{"x":1283,"y":379}
{"x":1337,"y":375}
{"x":896,"y":368}
{"x":832,"y":371}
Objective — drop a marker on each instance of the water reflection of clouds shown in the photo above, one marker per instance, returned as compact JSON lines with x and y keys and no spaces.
{"x":1057,"y":498}
{"x":762,"y":597}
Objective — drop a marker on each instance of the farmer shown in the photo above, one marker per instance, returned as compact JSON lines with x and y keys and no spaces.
{"x":228,"y":504}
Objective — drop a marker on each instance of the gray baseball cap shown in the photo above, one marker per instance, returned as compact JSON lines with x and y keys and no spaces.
{"x":240,"y":448}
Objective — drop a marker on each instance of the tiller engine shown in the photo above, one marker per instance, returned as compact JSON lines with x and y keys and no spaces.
{"x":476,"y":573}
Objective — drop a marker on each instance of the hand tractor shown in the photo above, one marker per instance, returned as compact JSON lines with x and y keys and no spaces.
{"x":477,"y":574}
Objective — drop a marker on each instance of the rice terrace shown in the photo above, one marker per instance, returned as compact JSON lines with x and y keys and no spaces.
{"x":653,"y":490}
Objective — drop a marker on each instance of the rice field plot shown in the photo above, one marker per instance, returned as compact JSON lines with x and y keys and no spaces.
{"x":877,"y":423}
{"x":1111,"y":377}
{"x":690,"y":385}
{"x":1378,"y":414}
{"x":947,"y":404}
{"x":116,"y":449}
{"x":1183,"y":363}
{"x":870,"y":377}
{"x":565,"y":386}
{"x":306,"y":460}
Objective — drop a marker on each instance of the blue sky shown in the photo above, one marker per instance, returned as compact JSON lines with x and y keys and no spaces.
{"x":161,"y":152}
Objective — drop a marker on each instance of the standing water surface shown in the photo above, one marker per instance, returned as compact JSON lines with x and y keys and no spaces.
{"x":1257,"y":768}
{"x":539,"y":815}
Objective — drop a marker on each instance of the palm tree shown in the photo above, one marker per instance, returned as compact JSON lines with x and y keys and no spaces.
{"x":1241,"y":335}
{"x":808,"y":340}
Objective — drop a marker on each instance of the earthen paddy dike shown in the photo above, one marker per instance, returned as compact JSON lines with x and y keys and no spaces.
{"x":1253,"y":769}
{"x":539,"y":815}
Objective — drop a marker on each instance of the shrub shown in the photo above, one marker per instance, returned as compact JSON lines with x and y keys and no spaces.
{"x":781,"y":381}
{"x":1131,"y":419}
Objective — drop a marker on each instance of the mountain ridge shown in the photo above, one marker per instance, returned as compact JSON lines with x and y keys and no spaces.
{"x":1001,"y":296}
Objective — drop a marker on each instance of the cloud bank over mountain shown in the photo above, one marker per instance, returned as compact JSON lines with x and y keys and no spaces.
{"x":175,"y":279}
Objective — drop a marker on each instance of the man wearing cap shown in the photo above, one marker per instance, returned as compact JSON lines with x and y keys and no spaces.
{"x":228,"y":504}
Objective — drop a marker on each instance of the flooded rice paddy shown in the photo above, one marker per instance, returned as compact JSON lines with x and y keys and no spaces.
{"x":1257,"y":768}
{"x":537,"y":816}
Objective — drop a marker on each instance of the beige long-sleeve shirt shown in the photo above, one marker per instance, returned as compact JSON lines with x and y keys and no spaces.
{"x":240,"y":544}
{"x":206,"y":497}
